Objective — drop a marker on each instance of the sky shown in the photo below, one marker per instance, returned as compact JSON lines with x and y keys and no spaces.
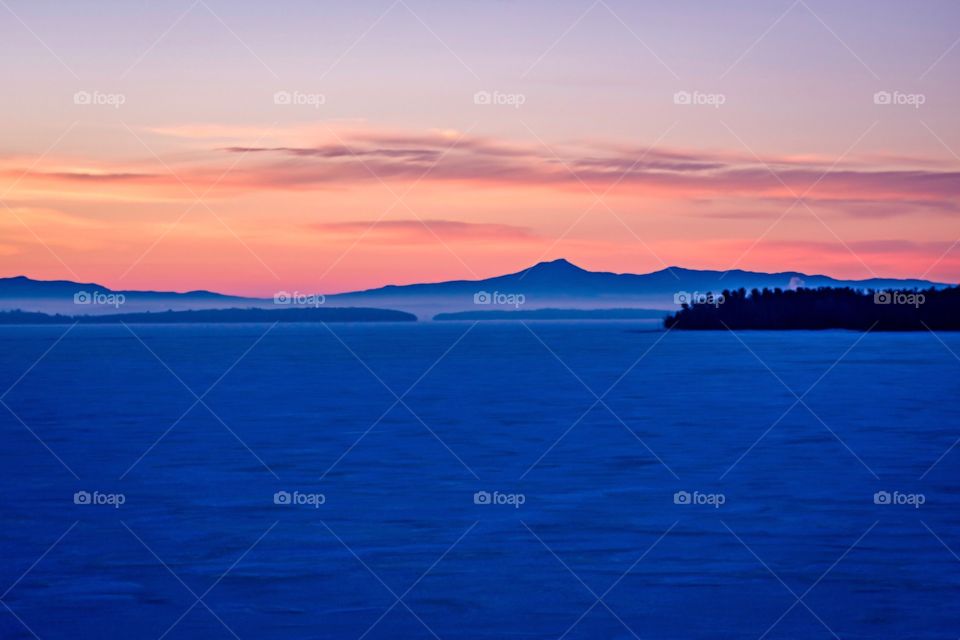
{"x":250,"y":147}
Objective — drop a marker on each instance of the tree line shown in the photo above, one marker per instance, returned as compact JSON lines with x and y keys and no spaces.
{"x":823,"y":308}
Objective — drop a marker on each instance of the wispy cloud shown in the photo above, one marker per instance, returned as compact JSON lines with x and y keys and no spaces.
{"x":865,"y":187}
{"x":662,"y":173}
{"x":425,"y":231}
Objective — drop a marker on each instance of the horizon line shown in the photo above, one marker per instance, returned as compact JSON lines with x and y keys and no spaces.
{"x":520,"y":272}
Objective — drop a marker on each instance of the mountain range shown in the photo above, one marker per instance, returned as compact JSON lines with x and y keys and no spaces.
{"x":555,"y":284}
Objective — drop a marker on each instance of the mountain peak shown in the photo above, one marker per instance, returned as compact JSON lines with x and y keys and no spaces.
{"x":557,"y":266}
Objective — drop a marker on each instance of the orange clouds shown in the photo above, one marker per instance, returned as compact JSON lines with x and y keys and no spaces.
{"x":338,"y":202}
{"x":362,"y":156}
{"x":660,"y":173}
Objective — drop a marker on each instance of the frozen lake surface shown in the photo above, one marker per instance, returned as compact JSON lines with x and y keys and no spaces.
{"x":630,"y":482}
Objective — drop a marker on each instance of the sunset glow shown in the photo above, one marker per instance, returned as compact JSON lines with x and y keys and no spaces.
{"x":199,"y":149}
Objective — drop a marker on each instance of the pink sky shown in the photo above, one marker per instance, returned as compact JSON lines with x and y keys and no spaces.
{"x":377,"y":162}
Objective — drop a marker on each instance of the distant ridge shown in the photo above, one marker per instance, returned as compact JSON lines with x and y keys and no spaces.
{"x":28,"y":287}
{"x":220,"y":316}
{"x":562,"y":284}
{"x":554,"y":314}
{"x":552,"y":284}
